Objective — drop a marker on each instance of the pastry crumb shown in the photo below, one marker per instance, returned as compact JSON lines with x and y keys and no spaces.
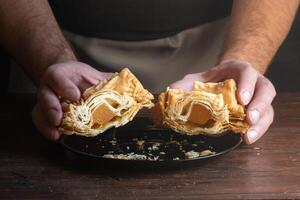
{"x":140,"y":142}
{"x":129,"y":156}
{"x":155,"y":146}
{"x":193,"y":154}
{"x":206,"y":152}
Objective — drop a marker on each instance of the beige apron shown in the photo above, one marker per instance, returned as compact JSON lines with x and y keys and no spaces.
{"x":157,"y":63}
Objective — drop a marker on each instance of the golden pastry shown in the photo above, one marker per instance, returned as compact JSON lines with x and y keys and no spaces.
{"x":112,"y":103}
{"x":210,"y":109}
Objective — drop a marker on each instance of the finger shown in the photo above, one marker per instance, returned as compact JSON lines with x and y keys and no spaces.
{"x":106,"y":75}
{"x":92,"y":73}
{"x":263,"y":97}
{"x":184,"y":84}
{"x":50,"y":105}
{"x":89,"y":81}
{"x":243,"y":73}
{"x":48,"y":131}
{"x":62,"y":85}
{"x":246,"y":81}
{"x":83,"y":85}
{"x":259,"y":129}
{"x":93,"y":80}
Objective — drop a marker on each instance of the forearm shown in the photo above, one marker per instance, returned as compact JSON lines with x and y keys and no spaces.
{"x":32,"y":36}
{"x":257,"y":29}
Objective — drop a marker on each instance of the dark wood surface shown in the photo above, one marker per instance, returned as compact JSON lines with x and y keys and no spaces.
{"x":33,"y":168}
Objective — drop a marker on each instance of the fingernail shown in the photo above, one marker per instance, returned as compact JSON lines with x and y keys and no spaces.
{"x":252,"y":136}
{"x":246,"y":97}
{"x":53,"y":117}
{"x":72,"y":94}
{"x":254,"y":116}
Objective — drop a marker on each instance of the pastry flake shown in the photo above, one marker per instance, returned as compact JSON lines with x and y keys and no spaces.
{"x":210,"y":109}
{"x":111,"y":103}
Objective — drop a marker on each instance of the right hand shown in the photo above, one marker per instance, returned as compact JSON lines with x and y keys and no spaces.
{"x":64,"y":81}
{"x":253,"y":90}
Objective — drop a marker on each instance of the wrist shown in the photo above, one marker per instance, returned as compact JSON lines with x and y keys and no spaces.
{"x":65,"y":55}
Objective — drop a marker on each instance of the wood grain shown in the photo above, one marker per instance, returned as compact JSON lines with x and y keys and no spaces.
{"x":33,"y":168}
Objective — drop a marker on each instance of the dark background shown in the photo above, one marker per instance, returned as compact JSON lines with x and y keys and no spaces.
{"x":284,"y":71}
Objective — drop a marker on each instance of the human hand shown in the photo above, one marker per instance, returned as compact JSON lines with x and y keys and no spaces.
{"x":64,"y":81}
{"x":253,"y":90}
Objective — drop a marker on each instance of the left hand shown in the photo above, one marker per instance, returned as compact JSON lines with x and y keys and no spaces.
{"x":253,"y":90}
{"x":61,"y":81}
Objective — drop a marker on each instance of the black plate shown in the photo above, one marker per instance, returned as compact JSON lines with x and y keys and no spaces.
{"x":156,"y":146}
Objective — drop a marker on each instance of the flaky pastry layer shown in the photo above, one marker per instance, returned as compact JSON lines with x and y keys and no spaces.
{"x":112,"y":103}
{"x":210,"y":109}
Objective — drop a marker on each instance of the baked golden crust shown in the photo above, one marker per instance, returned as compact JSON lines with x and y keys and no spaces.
{"x":210,"y":109}
{"x":112,"y":103}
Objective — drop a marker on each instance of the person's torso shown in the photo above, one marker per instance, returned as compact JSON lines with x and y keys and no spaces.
{"x":136,"y":19}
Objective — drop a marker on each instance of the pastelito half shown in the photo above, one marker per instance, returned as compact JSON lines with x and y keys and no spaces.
{"x":111,"y":103}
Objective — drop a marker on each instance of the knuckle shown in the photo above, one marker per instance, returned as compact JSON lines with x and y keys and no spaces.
{"x":247,"y":69}
{"x":52,"y":73}
{"x":46,"y":101}
{"x":244,"y":67}
{"x":265,"y":83}
{"x":247,"y":83}
{"x":240,"y":68}
{"x":268,"y":86}
{"x":269,"y":114}
{"x":188,"y":76}
{"x":260,"y":106}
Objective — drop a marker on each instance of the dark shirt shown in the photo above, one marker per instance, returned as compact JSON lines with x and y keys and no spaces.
{"x":136,"y":19}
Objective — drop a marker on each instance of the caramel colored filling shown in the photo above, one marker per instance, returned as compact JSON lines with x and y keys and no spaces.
{"x":199,"y":115}
{"x":101,"y":115}
{"x":113,"y":103}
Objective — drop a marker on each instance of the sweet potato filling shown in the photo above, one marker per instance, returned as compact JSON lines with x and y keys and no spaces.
{"x":199,"y":115}
{"x":101,"y":115}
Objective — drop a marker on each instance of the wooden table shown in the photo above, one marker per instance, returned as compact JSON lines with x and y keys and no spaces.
{"x":33,"y":168}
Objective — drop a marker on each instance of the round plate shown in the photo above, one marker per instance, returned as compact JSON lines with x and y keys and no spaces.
{"x":140,"y":144}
